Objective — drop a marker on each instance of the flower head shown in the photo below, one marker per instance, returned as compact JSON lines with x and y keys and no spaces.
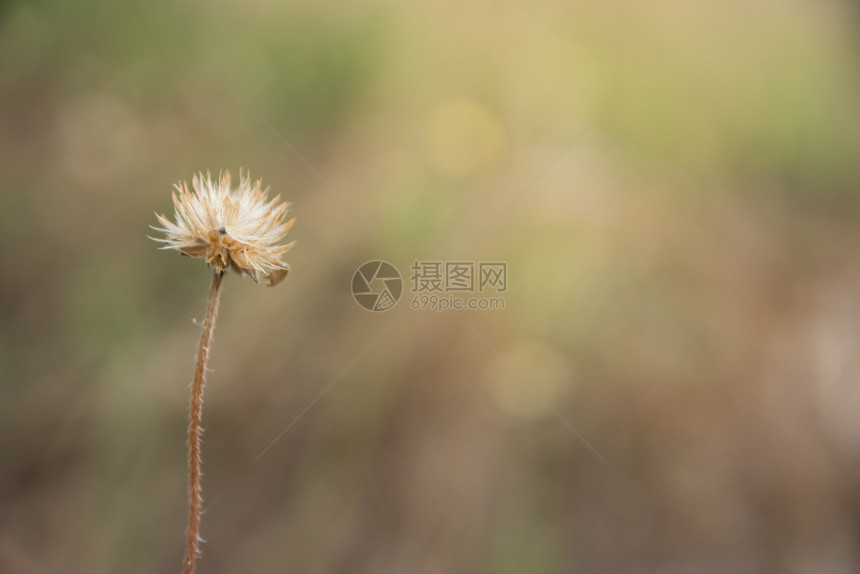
{"x":232,"y":228}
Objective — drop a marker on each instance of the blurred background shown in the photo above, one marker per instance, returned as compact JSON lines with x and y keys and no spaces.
{"x":683,"y":287}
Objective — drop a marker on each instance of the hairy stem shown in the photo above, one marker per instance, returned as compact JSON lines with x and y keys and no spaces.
{"x":192,"y":549}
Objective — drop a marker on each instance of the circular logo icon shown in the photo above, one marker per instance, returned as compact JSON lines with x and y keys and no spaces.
{"x":377,"y":286}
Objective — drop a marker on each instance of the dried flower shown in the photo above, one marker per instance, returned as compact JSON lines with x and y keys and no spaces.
{"x":232,"y":228}
{"x":237,"y":229}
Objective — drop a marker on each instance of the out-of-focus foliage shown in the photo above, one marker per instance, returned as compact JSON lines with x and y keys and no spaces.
{"x":683,"y":287}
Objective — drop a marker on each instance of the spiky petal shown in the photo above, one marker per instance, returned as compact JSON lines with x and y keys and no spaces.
{"x":237,"y":228}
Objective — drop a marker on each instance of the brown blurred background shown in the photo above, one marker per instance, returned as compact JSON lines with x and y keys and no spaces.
{"x":684,"y":287}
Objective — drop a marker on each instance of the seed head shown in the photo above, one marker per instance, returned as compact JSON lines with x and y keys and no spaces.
{"x":232,"y":228}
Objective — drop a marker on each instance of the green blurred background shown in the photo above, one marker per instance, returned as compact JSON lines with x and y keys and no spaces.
{"x":684,"y":287}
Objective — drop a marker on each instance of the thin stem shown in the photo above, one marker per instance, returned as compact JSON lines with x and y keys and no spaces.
{"x":192,"y":549}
